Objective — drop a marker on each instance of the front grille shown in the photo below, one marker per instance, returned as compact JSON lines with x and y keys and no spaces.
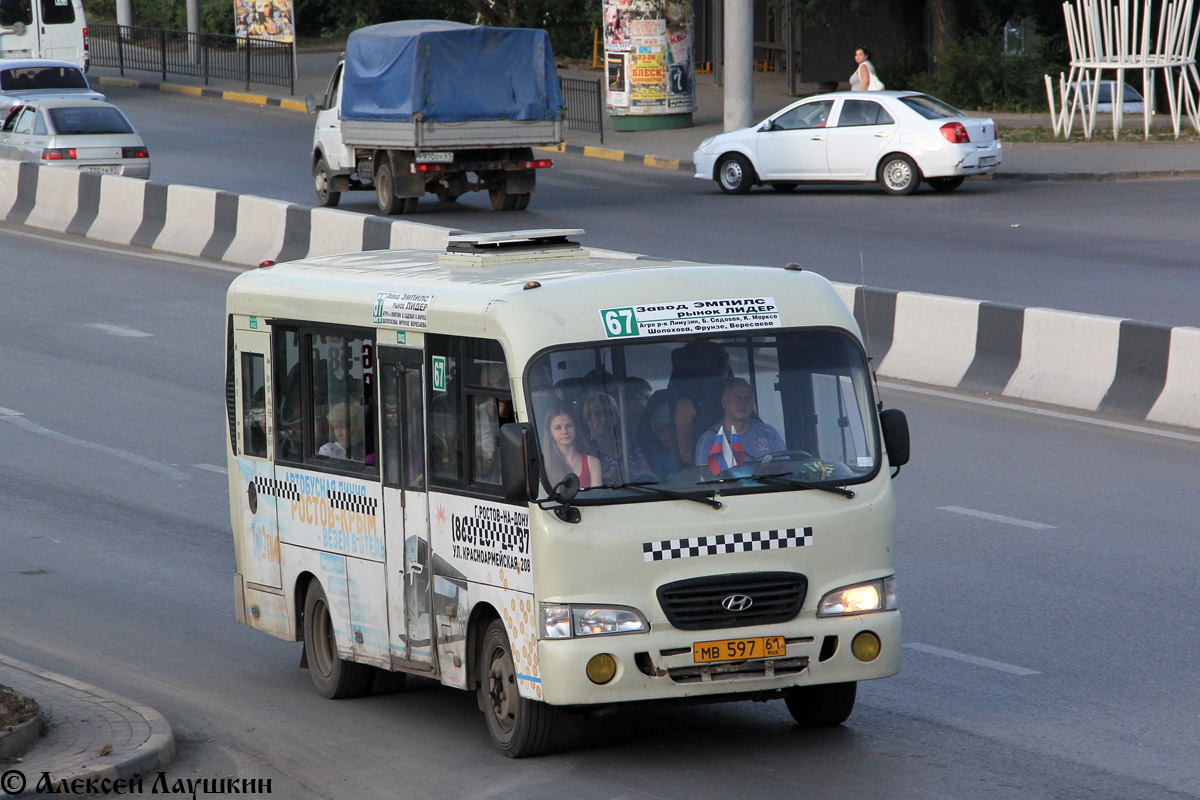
{"x":695,"y":604}
{"x":738,"y":670}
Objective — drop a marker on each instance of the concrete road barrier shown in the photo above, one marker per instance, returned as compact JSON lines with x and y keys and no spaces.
{"x":1079,"y":361}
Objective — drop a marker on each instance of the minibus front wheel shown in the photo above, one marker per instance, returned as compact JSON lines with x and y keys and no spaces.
{"x":822,"y":706}
{"x":519,"y":727}
{"x":333,"y":676}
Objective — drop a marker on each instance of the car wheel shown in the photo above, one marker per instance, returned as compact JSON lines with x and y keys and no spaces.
{"x":946,"y":184}
{"x":325,"y":196}
{"x":784,"y":187}
{"x":385,"y":189}
{"x":522,"y":201}
{"x":734,"y":174}
{"x":899,"y":175}
{"x":518,"y":727}
{"x":333,"y":676}
{"x":821,"y":706}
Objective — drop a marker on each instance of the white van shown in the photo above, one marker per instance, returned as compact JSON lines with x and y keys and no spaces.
{"x":44,"y":29}
{"x":562,"y":481}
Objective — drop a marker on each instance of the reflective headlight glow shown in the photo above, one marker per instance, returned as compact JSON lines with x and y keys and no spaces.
{"x":706,"y":142}
{"x":861,"y":598}
{"x":561,"y":621}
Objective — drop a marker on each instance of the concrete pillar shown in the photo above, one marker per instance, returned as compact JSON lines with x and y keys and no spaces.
{"x":193,"y":26}
{"x":124,"y":12}
{"x":739,"y":64}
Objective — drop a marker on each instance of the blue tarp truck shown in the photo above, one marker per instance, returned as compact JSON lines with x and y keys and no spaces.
{"x":432,"y":106}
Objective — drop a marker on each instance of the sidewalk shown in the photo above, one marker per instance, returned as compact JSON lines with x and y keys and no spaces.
{"x":672,"y":149}
{"x":94,"y":736}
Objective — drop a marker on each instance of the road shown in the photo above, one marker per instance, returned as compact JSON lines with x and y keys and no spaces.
{"x":1123,"y":249}
{"x":1041,"y":662}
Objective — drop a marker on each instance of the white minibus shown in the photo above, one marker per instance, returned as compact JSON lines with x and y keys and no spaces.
{"x":563,"y":481}
{"x":44,"y":29}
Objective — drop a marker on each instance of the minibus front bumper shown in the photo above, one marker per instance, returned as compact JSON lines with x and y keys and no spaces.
{"x":662,"y":665}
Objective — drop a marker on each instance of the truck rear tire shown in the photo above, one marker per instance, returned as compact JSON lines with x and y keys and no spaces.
{"x":385,"y":189}
{"x":502,"y":200}
{"x":326,"y":197}
{"x":522,"y":201}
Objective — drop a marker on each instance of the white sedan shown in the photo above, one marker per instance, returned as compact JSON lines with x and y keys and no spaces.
{"x":895,"y":138}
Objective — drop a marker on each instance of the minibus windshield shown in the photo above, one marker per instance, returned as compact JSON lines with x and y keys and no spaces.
{"x":768,"y":412}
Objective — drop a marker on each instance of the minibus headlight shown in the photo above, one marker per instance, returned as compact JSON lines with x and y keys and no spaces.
{"x":560,"y":621}
{"x":861,"y":598}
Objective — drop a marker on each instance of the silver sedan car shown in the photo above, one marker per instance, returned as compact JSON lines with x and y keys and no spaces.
{"x":23,"y":80}
{"x":87,"y":135}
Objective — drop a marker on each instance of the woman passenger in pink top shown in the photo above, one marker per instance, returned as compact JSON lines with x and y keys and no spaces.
{"x":560,"y":449}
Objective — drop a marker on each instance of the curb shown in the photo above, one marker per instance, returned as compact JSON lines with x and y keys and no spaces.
{"x":200,"y":91}
{"x":14,"y":742}
{"x":156,"y":753}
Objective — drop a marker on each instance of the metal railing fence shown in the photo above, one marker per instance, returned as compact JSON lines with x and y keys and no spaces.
{"x":584,"y":101}
{"x":201,"y":55}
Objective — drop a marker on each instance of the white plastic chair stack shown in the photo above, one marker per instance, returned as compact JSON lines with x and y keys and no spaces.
{"x":1116,"y":36}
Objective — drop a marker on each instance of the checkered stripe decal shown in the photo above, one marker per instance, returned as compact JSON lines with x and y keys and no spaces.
{"x":727,"y":543}
{"x":274,"y":488}
{"x":352,"y":502}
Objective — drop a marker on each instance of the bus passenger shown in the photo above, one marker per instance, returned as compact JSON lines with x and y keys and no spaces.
{"x":698,"y":371}
{"x":656,"y":436}
{"x":606,"y":441}
{"x":561,"y":452}
{"x":740,"y":434}
{"x":346,"y":435}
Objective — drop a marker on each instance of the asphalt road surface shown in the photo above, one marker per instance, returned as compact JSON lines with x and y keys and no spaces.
{"x":1047,"y":570}
{"x":1124,"y":249}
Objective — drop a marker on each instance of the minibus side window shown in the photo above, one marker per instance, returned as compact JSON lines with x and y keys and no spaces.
{"x":14,"y":11}
{"x":470,"y":398}
{"x":289,"y":394}
{"x":254,"y":405}
{"x":445,"y":419}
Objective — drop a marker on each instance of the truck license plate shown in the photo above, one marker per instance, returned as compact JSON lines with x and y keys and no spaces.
{"x":435,"y":157}
{"x":738,"y":649}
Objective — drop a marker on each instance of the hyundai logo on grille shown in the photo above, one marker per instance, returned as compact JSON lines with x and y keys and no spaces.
{"x":737,"y":602}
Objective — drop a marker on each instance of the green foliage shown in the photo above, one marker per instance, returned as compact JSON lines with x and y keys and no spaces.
{"x":976,"y":74}
{"x":216,"y":16}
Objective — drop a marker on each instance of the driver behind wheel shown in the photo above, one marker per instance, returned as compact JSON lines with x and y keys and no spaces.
{"x":740,"y":435}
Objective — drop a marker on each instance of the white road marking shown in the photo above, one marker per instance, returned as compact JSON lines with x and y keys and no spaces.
{"x":8,"y":412}
{"x":19,"y":419}
{"x":117,"y":330}
{"x":1044,"y":412}
{"x":212,"y":468}
{"x":970,"y":659}
{"x":1020,"y":523}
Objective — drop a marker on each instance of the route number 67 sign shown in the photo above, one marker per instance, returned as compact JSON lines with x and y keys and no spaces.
{"x":690,"y":316}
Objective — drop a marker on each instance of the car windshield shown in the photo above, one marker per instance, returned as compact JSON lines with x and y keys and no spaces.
{"x":752,"y":413}
{"x":930,"y":107}
{"x":88,"y":120}
{"x":22,"y":79}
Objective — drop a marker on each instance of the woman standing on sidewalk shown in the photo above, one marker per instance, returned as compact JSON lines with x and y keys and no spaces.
{"x":864,"y":78}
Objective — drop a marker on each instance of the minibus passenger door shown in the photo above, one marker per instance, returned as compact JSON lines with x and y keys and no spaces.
{"x":255,"y":469}
{"x":406,"y":514}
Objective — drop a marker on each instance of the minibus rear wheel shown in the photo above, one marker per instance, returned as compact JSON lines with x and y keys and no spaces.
{"x":822,"y":706}
{"x":519,"y":727}
{"x":333,"y":676}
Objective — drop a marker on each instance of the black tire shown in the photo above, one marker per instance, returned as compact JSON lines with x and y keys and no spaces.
{"x":518,"y":727}
{"x":899,"y":175}
{"x":946,"y":184}
{"x":784,"y":187}
{"x":407,"y":205}
{"x":522,"y":201}
{"x":333,"y":676}
{"x":385,"y":188}
{"x":734,"y":174}
{"x":326,"y":197}
{"x":502,"y":201}
{"x":446,"y":196}
{"x":821,"y":706}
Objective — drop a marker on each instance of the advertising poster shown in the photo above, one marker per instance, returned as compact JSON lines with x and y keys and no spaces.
{"x":648,"y":53}
{"x":264,"y":19}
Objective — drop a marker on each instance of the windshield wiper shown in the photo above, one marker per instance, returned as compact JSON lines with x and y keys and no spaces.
{"x":775,"y":477}
{"x":652,"y":488}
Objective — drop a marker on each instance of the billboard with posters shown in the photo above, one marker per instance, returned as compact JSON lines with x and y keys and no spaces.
{"x":648,"y":57}
{"x":264,"y":19}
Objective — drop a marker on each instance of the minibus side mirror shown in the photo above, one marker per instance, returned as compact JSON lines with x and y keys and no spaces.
{"x":310,"y":103}
{"x":895,"y":436}
{"x":519,"y":468}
